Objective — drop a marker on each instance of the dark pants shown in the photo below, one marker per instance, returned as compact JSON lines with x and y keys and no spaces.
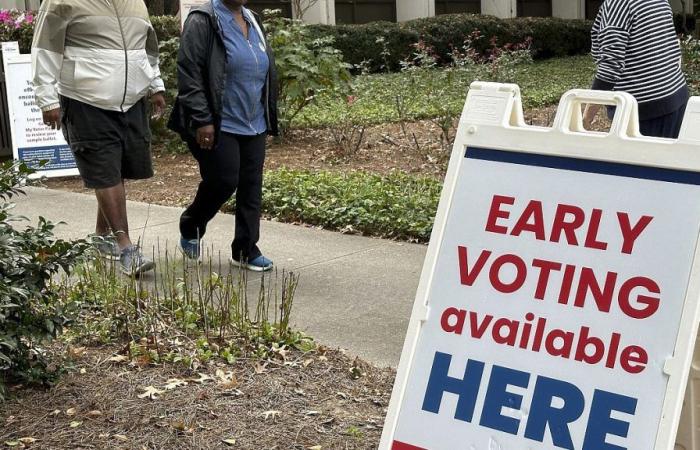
{"x":109,"y":146}
{"x":668,"y":126}
{"x":234,"y":165}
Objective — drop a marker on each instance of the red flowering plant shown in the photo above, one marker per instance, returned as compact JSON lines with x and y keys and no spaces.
{"x":17,"y":26}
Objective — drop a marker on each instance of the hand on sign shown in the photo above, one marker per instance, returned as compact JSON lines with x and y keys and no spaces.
{"x":589,"y":115}
{"x":205,"y":137}
{"x":52,"y":118}
{"x":158,"y":104}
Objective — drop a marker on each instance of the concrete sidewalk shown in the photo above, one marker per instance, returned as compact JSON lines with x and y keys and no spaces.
{"x":354,"y":292}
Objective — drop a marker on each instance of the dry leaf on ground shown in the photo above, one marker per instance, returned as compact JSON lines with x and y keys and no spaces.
{"x":151,"y":392}
{"x":271,"y":414}
{"x":174,"y":383}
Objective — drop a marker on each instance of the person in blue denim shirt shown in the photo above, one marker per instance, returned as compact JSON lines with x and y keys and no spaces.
{"x":225,"y":108}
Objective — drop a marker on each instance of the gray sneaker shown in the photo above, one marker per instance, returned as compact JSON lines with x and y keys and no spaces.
{"x":133,"y":263}
{"x":106,"y":246}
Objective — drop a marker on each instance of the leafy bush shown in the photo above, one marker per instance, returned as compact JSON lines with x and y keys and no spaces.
{"x":168,"y":72}
{"x":361,"y":44}
{"x":305,"y":67}
{"x":397,"y":205}
{"x":551,"y":37}
{"x":691,"y":62}
{"x":30,"y":307}
{"x":17,"y":26}
{"x":166,"y":27}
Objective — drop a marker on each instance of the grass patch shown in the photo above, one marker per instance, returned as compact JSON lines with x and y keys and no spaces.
{"x":397,"y":206}
{"x":376,"y":95}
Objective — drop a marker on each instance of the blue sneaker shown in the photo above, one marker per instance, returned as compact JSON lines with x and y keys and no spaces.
{"x":191,"y":248}
{"x":259,"y":264}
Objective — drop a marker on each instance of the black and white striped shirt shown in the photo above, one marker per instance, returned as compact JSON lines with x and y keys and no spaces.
{"x":636,"y":49}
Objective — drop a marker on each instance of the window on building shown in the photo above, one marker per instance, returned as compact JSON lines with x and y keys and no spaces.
{"x":457,"y":6}
{"x":534,"y":8}
{"x":363,"y":11}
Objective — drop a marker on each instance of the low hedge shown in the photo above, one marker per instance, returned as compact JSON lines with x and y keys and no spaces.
{"x":397,"y":206}
{"x":551,"y":37}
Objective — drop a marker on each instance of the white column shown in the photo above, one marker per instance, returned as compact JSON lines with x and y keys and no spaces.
{"x":318,"y":11}
{"x":500,"y":8}
{"x":12,"y":4}
{"x":678,"y":6}
{"x":568,"y":9}
{"x":414,"y":9}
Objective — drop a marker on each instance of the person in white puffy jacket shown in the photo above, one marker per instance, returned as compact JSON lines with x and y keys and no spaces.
{"x":95,"y":65}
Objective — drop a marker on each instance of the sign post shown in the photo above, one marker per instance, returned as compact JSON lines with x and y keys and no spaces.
{"x":32,"y":141}
{"x":186,"y":6}
{"x":559,"y":301}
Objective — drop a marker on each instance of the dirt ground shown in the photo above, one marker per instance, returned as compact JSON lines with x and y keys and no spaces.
{"x":385,"y":148}
{"x":315,"y":401}
{"x":319,"y":400}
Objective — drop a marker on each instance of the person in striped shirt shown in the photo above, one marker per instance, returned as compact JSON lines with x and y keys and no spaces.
{"x":636,"y":50}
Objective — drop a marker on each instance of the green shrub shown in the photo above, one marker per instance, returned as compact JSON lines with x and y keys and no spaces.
{"x":166,"y":27}
{"x":691,"y":63}
{"x":306,"y":67}
{"x":551,"y":37}
{"x":30,"y":307}
{"x":397,"y":205}
{"x":362,"y":44}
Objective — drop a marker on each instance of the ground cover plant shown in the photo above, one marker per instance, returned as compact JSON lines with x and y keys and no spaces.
{"x":375,"y":94}
{"x":396,"y":205}
{"x":199,"y":357}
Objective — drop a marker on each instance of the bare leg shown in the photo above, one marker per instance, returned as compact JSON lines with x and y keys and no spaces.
{"x":101,"y":226}
{"x":112,"y":202}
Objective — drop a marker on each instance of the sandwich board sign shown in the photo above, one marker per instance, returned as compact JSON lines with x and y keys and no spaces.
{"x":32,"y":141}
{"x":558,"y":303}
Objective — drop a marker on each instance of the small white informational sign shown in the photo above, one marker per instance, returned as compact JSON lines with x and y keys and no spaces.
{"x":186,"y":6}
{"x":558,"y":305}
{"x":32,"y":141}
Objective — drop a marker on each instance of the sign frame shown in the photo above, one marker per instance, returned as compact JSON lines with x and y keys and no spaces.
{"x":12,"y":56}
{"x":493,"y":118}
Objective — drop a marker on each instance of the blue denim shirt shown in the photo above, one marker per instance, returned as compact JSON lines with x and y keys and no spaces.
{"x":246,"y":73}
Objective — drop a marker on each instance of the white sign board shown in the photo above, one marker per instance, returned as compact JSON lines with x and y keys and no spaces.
{"x":186,"y":6}
{"x":554,"y":310}
{"x":32,"y":141}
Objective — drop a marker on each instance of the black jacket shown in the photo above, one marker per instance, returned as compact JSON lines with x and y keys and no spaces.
{"x":201,"y":75}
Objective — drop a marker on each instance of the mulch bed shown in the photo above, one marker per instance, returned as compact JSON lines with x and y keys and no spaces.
{"x":319,"y":400}
{"x":386,"y":148}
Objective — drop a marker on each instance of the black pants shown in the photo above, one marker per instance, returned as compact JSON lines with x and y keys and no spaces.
{"x":667,"y":126}
{"x":234,"y":165}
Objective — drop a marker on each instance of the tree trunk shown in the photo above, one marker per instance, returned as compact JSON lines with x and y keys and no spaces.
{"x":155,"y":7}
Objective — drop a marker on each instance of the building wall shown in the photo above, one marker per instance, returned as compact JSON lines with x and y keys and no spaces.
{"x":569,"y":9}
{"x":318,"y":11}
{"x":414,"y":9}
{"x":323,"y":11}
{"x":19,"y":4}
